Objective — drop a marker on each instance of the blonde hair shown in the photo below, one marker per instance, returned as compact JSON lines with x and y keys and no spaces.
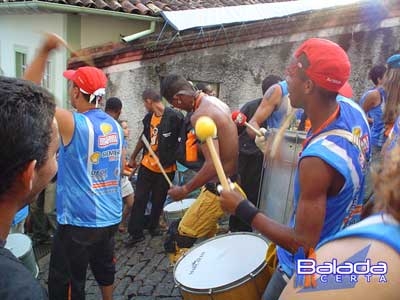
{"x":391,"y":85}
{"x":387,"y":182}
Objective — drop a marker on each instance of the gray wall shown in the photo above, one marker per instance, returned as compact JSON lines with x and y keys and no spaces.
{"x":240,"y":68}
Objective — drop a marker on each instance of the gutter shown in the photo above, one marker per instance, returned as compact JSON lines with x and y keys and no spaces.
{"x":35,"y":5}
{"x":138,"y":35}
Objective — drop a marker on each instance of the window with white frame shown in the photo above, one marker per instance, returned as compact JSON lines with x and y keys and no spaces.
{"x":20,"y":63}
{"x":46,"y":81}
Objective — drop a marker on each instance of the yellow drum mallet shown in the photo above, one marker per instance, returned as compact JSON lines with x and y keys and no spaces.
{"x":206,"y":130}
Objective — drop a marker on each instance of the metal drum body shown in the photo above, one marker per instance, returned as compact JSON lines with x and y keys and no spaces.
{"x":276,"y":198}
{"x":226,"y":267}
{"x":21,"y":246}
{"x":176,"y":210}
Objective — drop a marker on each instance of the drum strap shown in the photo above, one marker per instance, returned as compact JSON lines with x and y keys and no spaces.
{"x":355,"y":140}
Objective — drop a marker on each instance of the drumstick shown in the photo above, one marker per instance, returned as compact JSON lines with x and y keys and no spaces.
{"x":86,"y":59}
{"x":205,"y":130}
{"x":240,"y":119}
{"x":146,"y":143}
{"x":279,"y":135}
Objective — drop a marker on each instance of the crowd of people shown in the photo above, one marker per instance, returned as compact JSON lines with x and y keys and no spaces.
{"x":333,"y":185}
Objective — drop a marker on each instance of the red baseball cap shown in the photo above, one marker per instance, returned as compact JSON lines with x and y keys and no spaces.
{"x":329,"y":65}
{"x":90,"y":80}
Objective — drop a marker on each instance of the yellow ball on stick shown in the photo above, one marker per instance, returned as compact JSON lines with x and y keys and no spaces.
{"x":205,"y":127}
{"x":206,"y":130}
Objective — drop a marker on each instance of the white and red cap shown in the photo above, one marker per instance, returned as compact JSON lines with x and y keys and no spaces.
{"x":90,"y":80}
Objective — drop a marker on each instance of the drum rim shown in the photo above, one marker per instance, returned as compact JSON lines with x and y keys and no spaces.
{"x":181,"y":208}
{"x":226,"y":287}
{"x":21,"y":236}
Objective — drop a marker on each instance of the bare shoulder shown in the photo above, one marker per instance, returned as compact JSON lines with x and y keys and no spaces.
{"x":374,"y":256}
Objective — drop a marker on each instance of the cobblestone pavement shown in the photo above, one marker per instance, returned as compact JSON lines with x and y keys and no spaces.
{"x":143,"y":272}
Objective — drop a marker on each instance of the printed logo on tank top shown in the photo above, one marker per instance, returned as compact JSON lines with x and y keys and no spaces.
{"x":108,"y":138}
{"x":95,"y":158}
{"x":363,"y":142}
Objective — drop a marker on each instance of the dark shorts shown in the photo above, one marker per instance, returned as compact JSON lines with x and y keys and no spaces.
{"x":80,"y":246}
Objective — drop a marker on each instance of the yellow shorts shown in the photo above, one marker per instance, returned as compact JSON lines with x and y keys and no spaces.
{"x":201,"y":219}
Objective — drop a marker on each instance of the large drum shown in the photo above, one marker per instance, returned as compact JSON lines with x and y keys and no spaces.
{"x":226,"y":267}
{"x":276,"y":198}
{"x":21,"y":246}
{"x":176,"y":210}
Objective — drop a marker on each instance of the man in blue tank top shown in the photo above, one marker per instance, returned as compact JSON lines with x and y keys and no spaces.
{"x":373,"y":103}
{"x":328,"y":187}
{"x":271,"y":112}
{"x":89,"y":205}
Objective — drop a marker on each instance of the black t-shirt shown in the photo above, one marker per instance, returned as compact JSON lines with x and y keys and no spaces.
{"x":16,"y":281}
{"x":246,"y":143}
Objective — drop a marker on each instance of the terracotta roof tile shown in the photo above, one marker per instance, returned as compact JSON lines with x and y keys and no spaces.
{"x":128,"y":7}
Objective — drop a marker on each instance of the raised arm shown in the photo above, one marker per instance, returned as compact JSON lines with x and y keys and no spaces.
{"x":270,"y":102}
{"x":34,"y":72}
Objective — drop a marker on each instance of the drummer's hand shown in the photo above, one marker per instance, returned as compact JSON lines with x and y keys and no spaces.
{"x":230,"y":200}
{"x":178,"y":192}
{"x":52,"y":41}
{"x":261,"y":141}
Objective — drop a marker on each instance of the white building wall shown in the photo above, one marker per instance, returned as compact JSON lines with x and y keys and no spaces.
{"x":25,"y":32}
{"x":98,"y":30}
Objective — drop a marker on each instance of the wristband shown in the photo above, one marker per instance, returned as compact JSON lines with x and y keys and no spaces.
{"x":246,"y":211}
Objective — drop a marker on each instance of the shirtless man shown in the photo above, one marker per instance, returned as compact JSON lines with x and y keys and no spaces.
{"x":201,"y":218}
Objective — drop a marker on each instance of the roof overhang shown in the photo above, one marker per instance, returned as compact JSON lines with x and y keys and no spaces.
{"x":211,"y":17}
{"x":29,"y":7}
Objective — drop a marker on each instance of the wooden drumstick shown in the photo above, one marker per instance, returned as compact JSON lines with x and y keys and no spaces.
{"x":279,"y":135}
{"x":205,"y":130}
{"x":86,"y":59}
{"x":241,"y":119}
{"x":146,"y":143}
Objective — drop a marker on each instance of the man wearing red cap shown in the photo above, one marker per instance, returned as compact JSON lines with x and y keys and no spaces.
{"x":328,"y":187}
{"x":89,"y":202}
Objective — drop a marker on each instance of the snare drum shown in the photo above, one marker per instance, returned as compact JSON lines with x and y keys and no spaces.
{"x":230,"y":266}
{"x":276,"y":198}
{"x":176,"y":210}
{"x":21,"y":246}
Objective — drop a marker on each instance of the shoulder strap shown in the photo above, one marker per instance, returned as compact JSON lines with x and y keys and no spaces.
{"x":355,"y":140}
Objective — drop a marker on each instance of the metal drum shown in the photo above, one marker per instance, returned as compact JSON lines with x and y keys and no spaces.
{"x":276,"y":198}
{"x":175,"y":210}
{"x":227,"y":267}
{"x":21,"y":246}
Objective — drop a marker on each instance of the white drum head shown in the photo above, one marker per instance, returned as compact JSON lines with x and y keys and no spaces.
{"x":179,"y":205}
{"x":220,"y":261}
{"x":19,"y":244}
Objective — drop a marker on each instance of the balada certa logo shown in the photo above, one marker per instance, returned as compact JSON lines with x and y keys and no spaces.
{"x":332,"y":275}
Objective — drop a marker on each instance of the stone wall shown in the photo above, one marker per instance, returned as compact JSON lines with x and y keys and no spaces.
{"x":240,"y":68}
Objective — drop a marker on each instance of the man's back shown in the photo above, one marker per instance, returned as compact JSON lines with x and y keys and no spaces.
{"x":16,"y":282}
{"x":89,"y":172}
{"x":226,"y":131}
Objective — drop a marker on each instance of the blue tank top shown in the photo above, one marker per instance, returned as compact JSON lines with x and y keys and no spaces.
{"x":89,"y":173}
{"x":21,"y":215}
{"x":344,"y":208}
{"x":276,"y":118}
{"x":378,"y":126}
{"x":380,"y":227}
{"x":394,"y":135}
